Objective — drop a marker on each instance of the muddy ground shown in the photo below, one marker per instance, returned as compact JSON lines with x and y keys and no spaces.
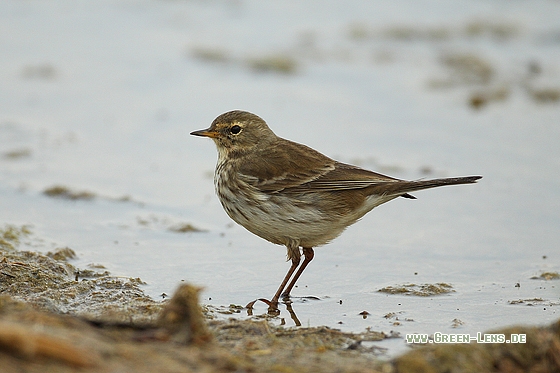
{"x":58,"y":318}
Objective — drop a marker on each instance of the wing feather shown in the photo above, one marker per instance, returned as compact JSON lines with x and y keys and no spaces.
{"x":292,"y":167}
{"x":284,"y":165}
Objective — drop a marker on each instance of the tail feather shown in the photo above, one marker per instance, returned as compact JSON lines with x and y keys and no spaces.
{"x":402,"y":188}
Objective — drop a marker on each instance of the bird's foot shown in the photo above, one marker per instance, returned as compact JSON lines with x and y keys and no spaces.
{"x":286,"y":298}
{"x":273,"y":308}
{"x":272,"y":305}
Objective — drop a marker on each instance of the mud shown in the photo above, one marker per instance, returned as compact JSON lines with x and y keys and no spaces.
{"x":424,"y":290}
{"x":54,"y":318}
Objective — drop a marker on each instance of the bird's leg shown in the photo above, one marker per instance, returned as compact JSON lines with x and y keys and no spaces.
{"x":308,"y":253}
{"x":274,"y":301}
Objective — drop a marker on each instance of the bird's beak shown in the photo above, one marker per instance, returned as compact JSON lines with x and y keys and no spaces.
{"x":206,"y":133}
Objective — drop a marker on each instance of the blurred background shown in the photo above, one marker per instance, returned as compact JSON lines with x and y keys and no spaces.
{"x":97,"y":100}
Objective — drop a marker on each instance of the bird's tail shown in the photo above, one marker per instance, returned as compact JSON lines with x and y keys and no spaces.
{"x":403,"y":187}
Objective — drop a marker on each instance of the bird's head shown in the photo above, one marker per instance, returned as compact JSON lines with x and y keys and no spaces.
{"x":237,"y":132}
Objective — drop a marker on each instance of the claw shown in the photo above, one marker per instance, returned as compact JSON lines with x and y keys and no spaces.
{"x":272,"y":305}
{"x":273,"y":309}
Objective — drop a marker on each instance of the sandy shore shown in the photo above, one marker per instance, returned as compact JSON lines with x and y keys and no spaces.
{"x":55,"y":317}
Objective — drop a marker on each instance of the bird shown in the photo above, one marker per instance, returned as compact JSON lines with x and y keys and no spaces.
{"x":292,"y":195}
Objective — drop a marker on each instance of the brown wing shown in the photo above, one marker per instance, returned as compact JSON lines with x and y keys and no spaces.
{"x":292,"y":167}
{"x":284,"y":165}
{"x":345,"y":176}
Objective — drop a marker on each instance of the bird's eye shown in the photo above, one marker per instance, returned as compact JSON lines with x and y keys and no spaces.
{"x":235,"y":129}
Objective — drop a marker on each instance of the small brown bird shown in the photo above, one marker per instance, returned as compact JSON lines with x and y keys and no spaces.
{"x":292,"y":195}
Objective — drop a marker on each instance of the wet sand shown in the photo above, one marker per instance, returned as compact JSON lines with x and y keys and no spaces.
{"x":55,"y":317}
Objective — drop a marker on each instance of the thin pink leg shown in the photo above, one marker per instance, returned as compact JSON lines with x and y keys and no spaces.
{"x":309,"y":254}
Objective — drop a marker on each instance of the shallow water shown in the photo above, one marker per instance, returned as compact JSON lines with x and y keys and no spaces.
{"x":102,"y":96}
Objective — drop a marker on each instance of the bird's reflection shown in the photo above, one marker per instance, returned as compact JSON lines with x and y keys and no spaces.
{"x":292,"y":314}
